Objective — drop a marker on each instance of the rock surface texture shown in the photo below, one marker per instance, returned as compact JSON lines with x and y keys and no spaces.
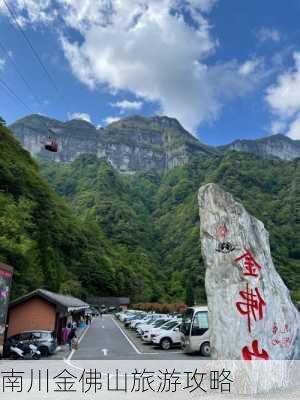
{"x":251,"y":314}
{"x":131,"y":145}
{"x":278,"y":146}
{"x":135,"y":144}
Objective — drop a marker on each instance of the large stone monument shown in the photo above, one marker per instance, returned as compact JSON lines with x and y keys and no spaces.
{"x":251,"y":315}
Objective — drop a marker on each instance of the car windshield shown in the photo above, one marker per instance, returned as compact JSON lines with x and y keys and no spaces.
{"x":171,"y":326}
{"x":159,"y":323}
{"x":47,"y":335}
{"x":167,"y":324}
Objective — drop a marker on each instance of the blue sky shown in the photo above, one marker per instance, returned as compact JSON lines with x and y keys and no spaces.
{"x":226,"y":69}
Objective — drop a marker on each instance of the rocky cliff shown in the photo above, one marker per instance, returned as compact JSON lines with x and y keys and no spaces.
{"x":130,"y":145}
{"x":279,"y":146}
{"x":136,"y":143}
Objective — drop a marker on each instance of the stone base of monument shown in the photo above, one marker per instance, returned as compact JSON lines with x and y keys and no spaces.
{"x":261,"y":377}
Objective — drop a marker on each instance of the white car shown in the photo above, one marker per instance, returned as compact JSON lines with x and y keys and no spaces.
{"x":124,"y":314}
{"x":147,"y":325}
{"x":147,"y":335}
{"x":136,"y":322}
{"x":167,"y":338}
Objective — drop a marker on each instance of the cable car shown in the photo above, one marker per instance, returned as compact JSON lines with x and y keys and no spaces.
{"x":51,"y":145}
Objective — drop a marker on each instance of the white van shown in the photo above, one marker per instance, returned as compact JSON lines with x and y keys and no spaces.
{"x":194,"y":331}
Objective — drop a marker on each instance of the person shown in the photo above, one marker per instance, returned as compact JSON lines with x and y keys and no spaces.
{"x":72,"y":335}
{"x":65,"y":333}
{"x":101,"y":313}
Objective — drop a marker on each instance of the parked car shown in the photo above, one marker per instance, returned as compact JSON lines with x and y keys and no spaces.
{"x":149,"y":323}
{"x":156,"y":328}
{"x":103,"y":309}
{"x":140,"y":320}
{"x":132,"y":317}
{"x":167,"y":338}
{"x":45,"y":341}
{"x":121,"y":315}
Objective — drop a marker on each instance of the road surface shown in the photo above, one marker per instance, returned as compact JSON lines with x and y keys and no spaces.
{"x":107,"y":338}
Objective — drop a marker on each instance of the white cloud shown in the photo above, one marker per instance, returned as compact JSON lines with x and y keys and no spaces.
{"x":126,"y":105}
{"x":265,"y":34}
{"x":283,"y":99}
{"x":110,"y":120}
{"x":284,"y":96}
{"x":79,"y":115}
{"x":144,"y":50}
{"x":154,"y":49}
{"x":31,"y":11}
{"x":2,"y":64}
{"x":278,"y":127}
{"x":250,"y":66}
{"x":294,"y":129}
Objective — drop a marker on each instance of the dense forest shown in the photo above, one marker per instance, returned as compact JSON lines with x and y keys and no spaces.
{"x":46,"y":242}
{"x":83,"y":228}
{"x":152,"y":218}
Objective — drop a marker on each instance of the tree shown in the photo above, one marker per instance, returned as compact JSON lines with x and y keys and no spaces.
{"x":189,"y":295}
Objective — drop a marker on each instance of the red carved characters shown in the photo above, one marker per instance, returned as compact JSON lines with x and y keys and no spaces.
{"x":254,"y":353}
{"x":252,"y":306}
{"x":250,"y":265}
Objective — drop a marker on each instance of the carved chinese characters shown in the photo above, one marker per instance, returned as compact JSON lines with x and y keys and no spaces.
{"x":251,"y":315}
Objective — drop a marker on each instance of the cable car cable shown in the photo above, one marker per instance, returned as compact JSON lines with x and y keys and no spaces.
{"x":6,"y":52}
{"x":14,"y":16}
{"x":13,"y":94}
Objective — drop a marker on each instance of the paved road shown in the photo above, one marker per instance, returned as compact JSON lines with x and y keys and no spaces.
{"x":107,"y":339}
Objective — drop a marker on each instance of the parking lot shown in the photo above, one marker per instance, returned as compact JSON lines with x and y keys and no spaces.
{"x":106,"y":338}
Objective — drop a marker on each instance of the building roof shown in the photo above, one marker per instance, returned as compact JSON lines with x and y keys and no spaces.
{"x":114,"y":301}
{"x":6,"y":267}
{"x":67,"y":302}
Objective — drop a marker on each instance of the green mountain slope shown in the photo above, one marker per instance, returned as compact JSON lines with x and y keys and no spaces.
{"x":49,"y":246}
{"x":152,"y":218}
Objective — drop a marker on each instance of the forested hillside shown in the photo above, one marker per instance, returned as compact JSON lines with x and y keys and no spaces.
{"x":152,"y":218}
{"x":47,"y":243}
{"x":101,"y":232}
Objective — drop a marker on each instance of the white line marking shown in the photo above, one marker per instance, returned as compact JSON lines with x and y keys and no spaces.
{"x":129,"y":341}
{"x":105,"y":351}
{"x":174,"y":352}
{"x":80,"y":339}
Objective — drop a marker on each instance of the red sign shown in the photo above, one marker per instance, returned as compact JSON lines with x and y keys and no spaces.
{"x":6,"y":273}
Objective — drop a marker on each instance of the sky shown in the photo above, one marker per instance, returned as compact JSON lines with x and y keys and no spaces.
{"x":226,"y":69}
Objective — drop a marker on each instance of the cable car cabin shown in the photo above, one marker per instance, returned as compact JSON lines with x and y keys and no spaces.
{"x":51,"y":145}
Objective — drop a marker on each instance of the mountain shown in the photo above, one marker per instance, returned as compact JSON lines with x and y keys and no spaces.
{"x":51,"y":246}
{"x":132,"y":144}
{"x":279,"y":146}
{"x":154,"y":216}
{"x":105,"y":232}
{"x":136,"y":144}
